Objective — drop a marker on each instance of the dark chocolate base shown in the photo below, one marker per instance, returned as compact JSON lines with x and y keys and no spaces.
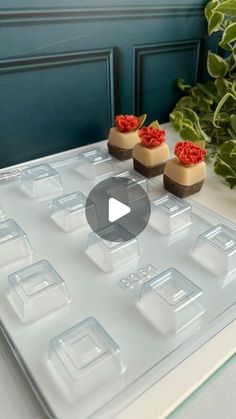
{"x":148,"y":171}
{"x":120,"y":153}
{"x":180,"y":190}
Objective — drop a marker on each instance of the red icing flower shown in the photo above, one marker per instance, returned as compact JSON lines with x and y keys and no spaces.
{"x":151,"y":137}
{"x":126,"y":123}
{"x":189,"y":153}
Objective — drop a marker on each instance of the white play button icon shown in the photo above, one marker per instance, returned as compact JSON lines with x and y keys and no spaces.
{"x":117,"y":210}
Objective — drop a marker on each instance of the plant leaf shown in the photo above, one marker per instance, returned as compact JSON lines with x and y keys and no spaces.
{"x":187,"y":122}
{"x":227,"y":153}
{"x":232,"y":134}
{"x":211,"y":5}
{"x":222,"y":86}
{"x":220,"y":105}
{"x":228,"y":7}
{"x":154,"y":124}
{"x":142,"y":119}
{"x":186,"y":102}
{"x":189,"y":134}
{"x":176,"y":118}
{"x":233,"y":122}
{"x":190,"y":114}
{"x":215,"y":22}
{"x":182,"y":85}
{"x":216,"y":65}
{"x":229,"y":35}
{"x":209,"y":89}
{"x":223,"y":169}
{"x":231,"y":180}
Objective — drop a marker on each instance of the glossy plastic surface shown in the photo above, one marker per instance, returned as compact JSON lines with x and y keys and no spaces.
{"x":156,"y":297}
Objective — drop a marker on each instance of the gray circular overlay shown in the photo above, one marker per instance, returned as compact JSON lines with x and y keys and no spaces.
{"x":129,"y":193}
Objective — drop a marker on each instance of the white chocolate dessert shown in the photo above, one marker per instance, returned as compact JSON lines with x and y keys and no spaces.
{"x":185,"y":175}
{"x":150,"y":157}
{"x":123,"y":140}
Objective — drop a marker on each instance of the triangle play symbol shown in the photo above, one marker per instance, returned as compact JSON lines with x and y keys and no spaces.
{"x":117,"y":210}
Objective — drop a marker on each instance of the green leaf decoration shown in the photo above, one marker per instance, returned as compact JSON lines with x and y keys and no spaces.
{"x":222,"y":86}
{"x":228,"y":7}
{"x":233,"y":122}
{"x":209,"y":9}
{"x":229,"y":35}
{"x":215,"y":22}
{"x":154,"y":124}
{"x":189,"y":134}
{"x":216,"y":65}
{"x":142,"y":119}
{"x":200,"y":143}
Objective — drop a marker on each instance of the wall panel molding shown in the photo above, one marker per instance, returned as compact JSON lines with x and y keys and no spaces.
{"x":31,"y":63}
{"x":139,"y":52}
{"x":50,"y":15}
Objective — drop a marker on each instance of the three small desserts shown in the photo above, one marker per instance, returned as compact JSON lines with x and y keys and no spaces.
{"x":151,"y":153}
{"x":184,"y":174}
{"x":124,"y":136}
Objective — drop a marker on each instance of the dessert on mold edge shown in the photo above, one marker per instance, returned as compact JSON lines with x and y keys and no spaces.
{"x":124,"y":136}
{"x":151,"y":153}
{"x":184,"y":174}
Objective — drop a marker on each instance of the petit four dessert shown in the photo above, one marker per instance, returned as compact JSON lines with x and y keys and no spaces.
{"x":184,"y":174}
{"x":151,"y":153}
{"x":124,"y":136}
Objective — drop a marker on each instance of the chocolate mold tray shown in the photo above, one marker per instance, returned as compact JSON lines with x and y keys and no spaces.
{"x":93,"y":324}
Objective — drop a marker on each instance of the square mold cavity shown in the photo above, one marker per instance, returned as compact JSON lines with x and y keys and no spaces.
{"x":170,"y":215}
{"x":86,"y":358}
{"x":94,"y":164}
{"x":41,"y":180}
{"x":171,"y":302}
{"x":109,"y":255}
{"x":134,"y":177}
{"x":36,"y":291}
{"x":68,"y":211}
{"x":216,"y":250}
{"x":14,"y":243}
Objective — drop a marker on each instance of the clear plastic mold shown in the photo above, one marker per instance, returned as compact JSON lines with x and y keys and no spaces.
{"x":216,"y":250}
{"x":41,"y":180}
{"x":109,"y":255}
{"x":171,"y":302}
{"x":68,"y":211}
{"x":94,"y":164}
{"x":170,"y":215}
{"x":86,"y":358}
{"x":134,"y":177}
{"x":14,"y":243}
{"x":2,"y":215}
{"x":37,"y":291}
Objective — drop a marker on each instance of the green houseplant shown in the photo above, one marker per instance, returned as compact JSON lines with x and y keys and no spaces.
{"x":206,"y":114}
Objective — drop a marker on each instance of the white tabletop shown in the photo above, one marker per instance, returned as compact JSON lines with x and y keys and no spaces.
{"x":215,"y":399}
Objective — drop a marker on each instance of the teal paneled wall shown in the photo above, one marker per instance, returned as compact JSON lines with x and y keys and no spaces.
{"x":68,"y":66}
